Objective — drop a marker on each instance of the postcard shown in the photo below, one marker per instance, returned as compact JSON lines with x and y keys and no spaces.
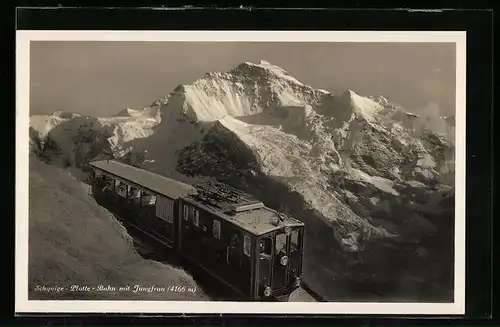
{"x":240,"y":172}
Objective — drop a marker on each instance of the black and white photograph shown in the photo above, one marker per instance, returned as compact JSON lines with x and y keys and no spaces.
{"x":240,"y":172}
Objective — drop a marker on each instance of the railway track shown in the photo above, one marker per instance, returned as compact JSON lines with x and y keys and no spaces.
{"x":317,"y":297}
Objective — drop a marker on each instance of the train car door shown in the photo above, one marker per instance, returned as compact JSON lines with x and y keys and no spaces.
{"x":121,"y":190}
{"x":247,"y":262}
{"x":296,"y":248}
{"x":234,"y":251}
{"x":239,"y":259}
{"x":189,"y":243}
{"x":265,"y":262}
{"x":165,"y":211}
{"x":230,"y":240}
{"x":280,"y":261}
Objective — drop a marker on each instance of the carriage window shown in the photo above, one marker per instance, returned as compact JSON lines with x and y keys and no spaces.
{"x":280,"y":243}
{"x":186,"y":212}
{"x":216,"y":229}
{"x":235,"y":241}
{"x":135,"y":195}
{"x":266,"y":246}
{"x":247,"y":245}
{"x":134,"y":192}
{"x":121,"y":188}
{"x":295,"y":239}
{"x":196,"y":217}
{"x":145,"y":198}
{"x":108,"y":184}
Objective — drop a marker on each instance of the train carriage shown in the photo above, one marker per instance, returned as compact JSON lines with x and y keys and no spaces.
{"x":234,"y":237}
{"x":145,"y":200}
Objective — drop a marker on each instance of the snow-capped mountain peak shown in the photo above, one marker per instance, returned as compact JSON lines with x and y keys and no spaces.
{"x":363,"y":106}
{"x":248,"y":89}
{"x":263,"y":69}
{"x":128,"y":112}
{"x":160,"y":102}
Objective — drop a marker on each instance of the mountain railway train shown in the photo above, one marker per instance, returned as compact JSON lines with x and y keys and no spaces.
{"x":229,"y":234}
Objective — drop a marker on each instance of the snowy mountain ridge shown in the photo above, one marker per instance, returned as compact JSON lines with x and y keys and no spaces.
{"x":355,"y":169}
{"x":67,"y":139}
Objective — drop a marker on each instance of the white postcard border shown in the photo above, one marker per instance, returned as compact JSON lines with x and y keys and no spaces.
{"x":23,"y":305}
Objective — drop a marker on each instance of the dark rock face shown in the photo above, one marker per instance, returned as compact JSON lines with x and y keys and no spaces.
{"x":220,"y":154}
{"x":76,"y":142}
{"x":414,"y":265}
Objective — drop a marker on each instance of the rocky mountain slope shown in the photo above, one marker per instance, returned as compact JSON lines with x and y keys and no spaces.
{"x":373,"y":182}
{"x":71,"y":140}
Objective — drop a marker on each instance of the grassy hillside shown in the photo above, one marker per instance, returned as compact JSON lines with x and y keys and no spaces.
{"x":73,"y":241}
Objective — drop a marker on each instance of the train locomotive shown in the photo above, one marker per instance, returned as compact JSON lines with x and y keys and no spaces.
{"x":254,"y":250}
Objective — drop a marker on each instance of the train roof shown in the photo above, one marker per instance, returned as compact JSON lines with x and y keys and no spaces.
{"x":242,"y":209}
{"x":239,"y":208}
{"x":144,"y":179}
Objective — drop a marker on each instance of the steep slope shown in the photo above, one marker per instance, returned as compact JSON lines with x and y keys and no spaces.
{"x":73,"y":241}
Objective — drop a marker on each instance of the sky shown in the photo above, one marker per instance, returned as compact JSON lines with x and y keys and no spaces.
{"x":100,"y":78}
